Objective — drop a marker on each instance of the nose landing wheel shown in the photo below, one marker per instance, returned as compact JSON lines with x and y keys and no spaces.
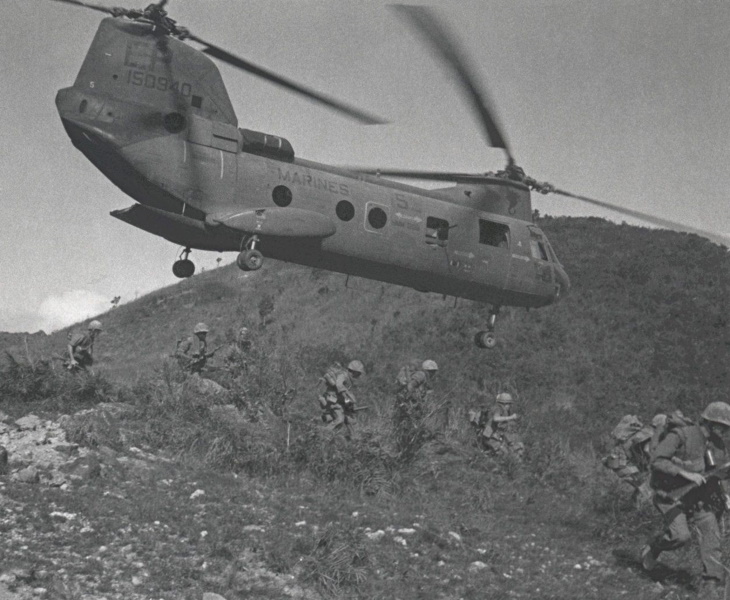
{"x":183,"y":267}
{"x":250,"y":259}
{"x":487,"y":339}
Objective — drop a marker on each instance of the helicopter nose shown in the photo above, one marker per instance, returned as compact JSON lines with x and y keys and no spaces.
{"x":562,"y":282}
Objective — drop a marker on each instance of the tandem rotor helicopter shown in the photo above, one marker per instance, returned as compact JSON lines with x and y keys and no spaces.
{"x":151,"y":112}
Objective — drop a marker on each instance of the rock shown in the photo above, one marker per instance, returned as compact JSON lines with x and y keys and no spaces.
{"x":29,"y":422}
{"x":477,"y":565}
{"x":27,"y":475}
{"x":85,"y":468}
{"x":3,"y":460}
{"x":212,"y":596}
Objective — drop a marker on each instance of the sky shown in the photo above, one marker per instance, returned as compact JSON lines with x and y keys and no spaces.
{"x":622,"y":101}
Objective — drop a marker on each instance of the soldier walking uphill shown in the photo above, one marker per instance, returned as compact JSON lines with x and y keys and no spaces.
{"x":686,"y":495}
{"x":408,"y":417}
{"x":194,"y":362}
{"x":338,"y":402}
{"x":499,"y":433}
{"x":81,"y":348}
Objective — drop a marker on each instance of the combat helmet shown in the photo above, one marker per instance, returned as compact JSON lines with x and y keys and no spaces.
{"x":95,"y":325}
{"x":356,"y":366}
{"x":429,"y":365}
{"x":717,"y":412}
{"x":504,"y":398}
{"x":200,"y":328}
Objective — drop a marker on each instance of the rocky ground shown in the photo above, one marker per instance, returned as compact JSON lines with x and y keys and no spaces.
{"x":87,"y":522}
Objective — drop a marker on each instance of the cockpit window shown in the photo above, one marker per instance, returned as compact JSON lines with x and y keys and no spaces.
{"x":538,"y":250}
{"x":493,"y":234}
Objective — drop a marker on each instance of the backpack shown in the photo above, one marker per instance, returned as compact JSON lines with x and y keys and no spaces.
{"x":330,"y":376}
{"x":675,"y":421}
{"x":627,"y":427}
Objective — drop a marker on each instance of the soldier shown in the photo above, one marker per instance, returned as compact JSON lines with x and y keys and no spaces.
{"x":81,"y":348}
{"x":408,"y":414}
{"x":419,"y":384}
{"x":194,"y":362}
{"x":337,"y":402}
{"x":500,"y":431}
{"x":680,"y":460}
{"x":404,"y":375}
{"x":629,"y":458}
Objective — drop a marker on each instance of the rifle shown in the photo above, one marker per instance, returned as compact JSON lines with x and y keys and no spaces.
{"x":199,"y":361}
{"x":685,"y":493}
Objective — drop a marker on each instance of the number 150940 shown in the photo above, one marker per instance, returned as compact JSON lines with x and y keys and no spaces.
{"x":158,"y":82}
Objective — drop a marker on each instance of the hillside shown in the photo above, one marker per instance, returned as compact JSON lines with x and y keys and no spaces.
{"x":644,"y":329}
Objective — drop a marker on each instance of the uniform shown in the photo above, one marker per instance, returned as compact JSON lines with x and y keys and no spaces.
{"x":410,"y":403}
{"x":81,"y":347}
{"x":337,"y":402}
{"x":186,"y":358}
{"x":629,"y":458}
{"x":679,"y":458}
{"x":500,"y":431}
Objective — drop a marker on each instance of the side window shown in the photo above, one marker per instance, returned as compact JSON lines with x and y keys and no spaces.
{"x":493,"y":234}
{"x":538,"y":250}
{"x":437,"y":231}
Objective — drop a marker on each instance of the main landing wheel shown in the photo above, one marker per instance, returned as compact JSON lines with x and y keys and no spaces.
{"x":183,"y":268}
{"x":485,"y":339}
{"x":250,"y":260}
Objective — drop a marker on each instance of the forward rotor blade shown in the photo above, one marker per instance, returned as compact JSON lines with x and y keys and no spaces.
{"x":103,"y":9}
{"x":436,"y":34}
{"x":660,"y":221}
{"x":426,"y":175}
{"x":249,"y":67}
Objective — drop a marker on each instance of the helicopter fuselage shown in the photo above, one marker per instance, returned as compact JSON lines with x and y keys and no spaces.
{"x":152,"y":114}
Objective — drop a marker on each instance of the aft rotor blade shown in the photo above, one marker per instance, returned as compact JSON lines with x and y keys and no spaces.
{"x":660,"y":221}
{"x":249,"y":67}
{"x":436,"y":34}
{"x":103,"y":9}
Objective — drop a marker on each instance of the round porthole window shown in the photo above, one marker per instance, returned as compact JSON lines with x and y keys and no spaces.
{"x":282,"y":195}
{"x":345,"y":210}
{"x":377,"y":218}
{"x":174,"y":122}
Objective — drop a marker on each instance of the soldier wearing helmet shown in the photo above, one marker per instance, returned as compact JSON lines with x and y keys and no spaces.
{"x":189,"y":360}
{"x":81,"y":347}
{"x":678,"y":466}
{"x":499,"y":435}
{"x":338,"y":402}
{"x":419,"y":384}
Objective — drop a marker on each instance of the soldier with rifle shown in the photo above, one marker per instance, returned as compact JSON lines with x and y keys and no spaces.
{"x":338,"y":402}
{"x":81,"y":348}
{"x":194,"y":362}
{"x":687,"y":491}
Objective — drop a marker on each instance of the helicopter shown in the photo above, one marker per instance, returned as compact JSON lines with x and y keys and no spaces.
{"x":151,"y":112}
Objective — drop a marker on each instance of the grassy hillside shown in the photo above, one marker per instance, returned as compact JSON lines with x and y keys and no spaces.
{"x":644,"y":329}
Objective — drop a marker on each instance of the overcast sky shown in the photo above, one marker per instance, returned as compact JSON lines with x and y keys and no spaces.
{"x":623,"y":101}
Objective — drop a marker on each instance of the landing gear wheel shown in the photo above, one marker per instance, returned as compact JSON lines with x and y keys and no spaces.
{"x":183,"y":268}
{"x":485,"y":339}
{"x":250,"y":260}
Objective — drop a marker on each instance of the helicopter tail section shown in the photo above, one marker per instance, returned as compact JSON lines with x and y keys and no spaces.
{"x":137,"y":76}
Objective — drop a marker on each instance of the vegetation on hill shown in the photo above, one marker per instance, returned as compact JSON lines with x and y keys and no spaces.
{"x":643,"y":330}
